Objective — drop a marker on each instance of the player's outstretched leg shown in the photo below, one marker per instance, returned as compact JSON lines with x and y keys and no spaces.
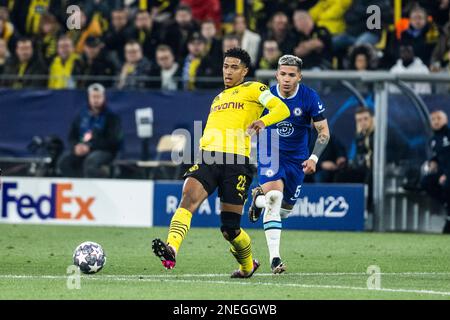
{"x":179,"y":226}
{"x":241,"y":249}
{"x":257,"y":205}
{"x":165,"y":253}
{"x":272,"y":229}
{"x":241,"y":246}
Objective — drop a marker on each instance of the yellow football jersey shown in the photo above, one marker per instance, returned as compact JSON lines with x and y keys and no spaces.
{"x":233,"y":110}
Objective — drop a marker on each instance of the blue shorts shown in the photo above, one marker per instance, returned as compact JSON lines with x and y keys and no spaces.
{"x":290,"y":171}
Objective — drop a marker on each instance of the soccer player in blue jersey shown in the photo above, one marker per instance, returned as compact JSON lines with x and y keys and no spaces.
{"x":283,"y":165}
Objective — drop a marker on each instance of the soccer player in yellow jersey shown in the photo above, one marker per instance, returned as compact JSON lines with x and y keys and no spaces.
{"x":224,"y":163}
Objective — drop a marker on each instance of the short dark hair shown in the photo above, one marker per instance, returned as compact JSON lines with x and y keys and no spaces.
{"x":231,"y":36}
{"x":209,"y":20}
{"x":119,"y":9}
{"x":184,"y":7}
{"x":239,"y":53}
{"x":164,"y":47}
{"x":363,"y":109}
{"x":132,"y":42}
{"x":24,"y":39}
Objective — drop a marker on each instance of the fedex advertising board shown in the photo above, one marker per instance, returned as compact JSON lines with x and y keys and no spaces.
{"x":76,"y":201}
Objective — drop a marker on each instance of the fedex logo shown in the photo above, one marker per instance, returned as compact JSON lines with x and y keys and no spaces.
{"x":46,"y":207}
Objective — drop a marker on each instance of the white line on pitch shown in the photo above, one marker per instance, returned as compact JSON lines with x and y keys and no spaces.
{"x":214,"y":275}
{"x":149,"y":278}
{"x":218,"y":275}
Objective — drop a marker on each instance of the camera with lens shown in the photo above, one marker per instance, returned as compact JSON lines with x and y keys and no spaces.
{"x":50,"y":148}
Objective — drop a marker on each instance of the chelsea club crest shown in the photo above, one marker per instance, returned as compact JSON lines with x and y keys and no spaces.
{"x":297,"y":112}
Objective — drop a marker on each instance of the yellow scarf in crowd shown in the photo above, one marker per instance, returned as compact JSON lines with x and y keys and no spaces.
{"x":8,"y":31}
{"x":35,"y":11}
{"x":195,"y":63}
{"x":60,"y":75}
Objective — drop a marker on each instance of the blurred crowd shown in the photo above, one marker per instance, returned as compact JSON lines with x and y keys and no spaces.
{"x":178,"y":44}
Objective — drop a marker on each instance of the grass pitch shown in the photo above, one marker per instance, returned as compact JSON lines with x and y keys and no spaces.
{"x":321,"y":265}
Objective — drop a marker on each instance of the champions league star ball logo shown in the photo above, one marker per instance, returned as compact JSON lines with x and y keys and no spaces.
{"x":285,"y":129}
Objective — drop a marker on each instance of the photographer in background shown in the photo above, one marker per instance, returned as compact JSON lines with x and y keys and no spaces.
{"x":95,"y":138}
{"x":359,"y":169}
{"x":437,"y":180}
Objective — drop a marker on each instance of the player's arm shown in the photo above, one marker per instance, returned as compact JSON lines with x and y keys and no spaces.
{"x":278,"y":111}
{"x":323,"y":136}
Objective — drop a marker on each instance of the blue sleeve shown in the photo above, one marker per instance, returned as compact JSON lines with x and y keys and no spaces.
{"x":316,"y":106}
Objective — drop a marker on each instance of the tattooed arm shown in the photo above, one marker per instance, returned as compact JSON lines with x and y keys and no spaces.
{"x":323,"y":136}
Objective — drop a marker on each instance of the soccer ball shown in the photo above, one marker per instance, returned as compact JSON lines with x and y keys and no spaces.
{"x":89,"y":257}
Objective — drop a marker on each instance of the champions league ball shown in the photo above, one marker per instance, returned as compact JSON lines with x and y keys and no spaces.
{"x":89,"y":257}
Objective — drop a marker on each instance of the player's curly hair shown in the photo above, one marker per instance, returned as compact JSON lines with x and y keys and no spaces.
{"x":239,"y":53}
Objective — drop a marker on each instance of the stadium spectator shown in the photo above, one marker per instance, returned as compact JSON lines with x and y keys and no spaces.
{"x":4,"y":55}
{"x":259,"y":12}
{"x":24,"y":65}
{"x":196,"y":47}
{"x":203,"y":10}
{"x":88,"y":28}
{"x":213,"y":44}
{"x":7,"y":32}
{"x":356,"y":31}
{"x":46,"y":41}
{"x":408,"y":63}
{"x":95,"y":62}
{"x":362,"y":58}
{"x":270,"y":56}
{"x":250,"y":41}
{"x":421,"y":34}
{"x":330,"y":14}
{"x":211,"y":66}
{"x":438,"y":9}
{"x":136,"y":67}
{"x":116,"y":37}
{"x":4,"y":11}
{"x":440,"y":57}
{"x":279,"y":30}
{"x":26,"y":14}
{"x":178,"y":32}
{"x":160,"y":10}
{"x":332,"y":160}
{"x":313,"y":44}
{"x":100,"y":10}
{"x":167,"y":69}
{"x":230,"y":41}
{"x":437,"y":181}
{"x":95,"y":137}
{"x":359,"y":169}
{"x":147,"y":32}
{"x":64,"y":66}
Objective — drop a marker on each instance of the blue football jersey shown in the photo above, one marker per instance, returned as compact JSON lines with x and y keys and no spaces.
{"x":294,"y":132}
